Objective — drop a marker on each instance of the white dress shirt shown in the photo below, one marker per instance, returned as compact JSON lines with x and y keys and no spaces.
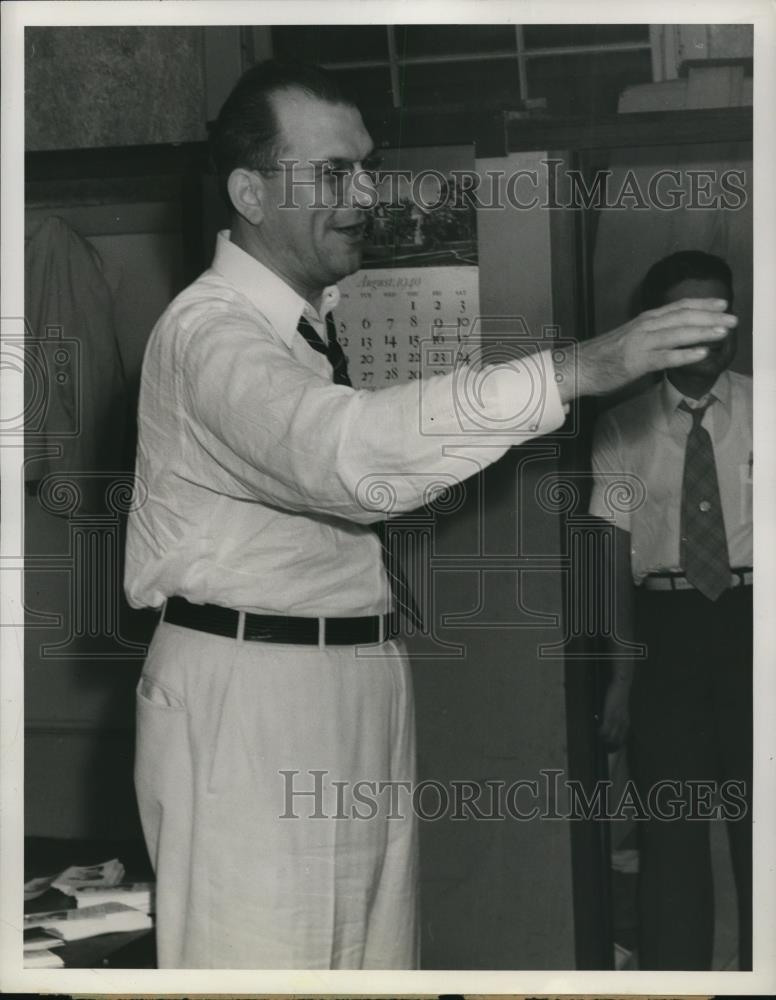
{"x":257,"y":476}
{"x":645,"y":438}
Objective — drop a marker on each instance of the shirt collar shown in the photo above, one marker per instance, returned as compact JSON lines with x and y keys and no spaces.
{"x":671,"y":397}
{"x":278,"y":303}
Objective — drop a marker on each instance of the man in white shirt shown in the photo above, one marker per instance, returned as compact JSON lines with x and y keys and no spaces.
{"x":271,"y":686}
{"x":691,"y":699}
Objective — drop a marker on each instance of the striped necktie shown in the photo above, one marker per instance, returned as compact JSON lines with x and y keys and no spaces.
{"x":703,"y":547}
{"x":402,"y":594}
{"x":332,"y":350}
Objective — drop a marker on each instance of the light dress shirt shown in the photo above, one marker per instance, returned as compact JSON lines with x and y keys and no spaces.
{"x":257,"y":477}
{"x":645,"y":438}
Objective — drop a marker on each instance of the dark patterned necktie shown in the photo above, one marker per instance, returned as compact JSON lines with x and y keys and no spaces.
{"x":402,"y":594}
{"x":332,"y":350}
{"x":703,"y":547}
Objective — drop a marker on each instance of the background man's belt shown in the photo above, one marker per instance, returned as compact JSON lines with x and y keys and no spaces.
{"x":678,"y":581}
{"x":276,"y":628}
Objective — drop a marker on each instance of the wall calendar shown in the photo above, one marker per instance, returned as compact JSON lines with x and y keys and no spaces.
{"x":412,"y":309}
{"x":397,"y":325}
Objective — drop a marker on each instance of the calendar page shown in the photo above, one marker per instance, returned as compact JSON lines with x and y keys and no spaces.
{"x":411,"y":310}
{"x":398,"y":324}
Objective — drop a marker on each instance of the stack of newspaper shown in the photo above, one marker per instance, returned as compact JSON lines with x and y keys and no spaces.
{"x":38,"y":948}
{"x":87,"y":921}
{"x":103,"y":905}
{"x":139,"y":895}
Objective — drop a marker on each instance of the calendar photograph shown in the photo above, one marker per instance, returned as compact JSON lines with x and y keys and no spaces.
{"x":411,"y":310}
{"x":423,"y":218}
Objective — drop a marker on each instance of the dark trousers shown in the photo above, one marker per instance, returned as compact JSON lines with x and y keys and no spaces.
{"x":691,"y":712}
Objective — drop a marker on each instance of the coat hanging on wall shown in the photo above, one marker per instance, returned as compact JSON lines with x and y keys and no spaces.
{"x":75,"y":393}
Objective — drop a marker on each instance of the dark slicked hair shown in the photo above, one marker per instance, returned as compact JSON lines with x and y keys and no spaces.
{"x":682,"y":266}
{"x":246,"y":132}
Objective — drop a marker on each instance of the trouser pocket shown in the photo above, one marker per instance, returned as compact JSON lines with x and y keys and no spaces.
{"x":162,"y":760}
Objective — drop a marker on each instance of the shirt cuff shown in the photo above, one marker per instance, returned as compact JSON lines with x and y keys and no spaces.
{"x":522,"y":395}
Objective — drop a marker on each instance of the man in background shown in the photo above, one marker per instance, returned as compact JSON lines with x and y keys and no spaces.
{"x":683,"y":587}
{"x":253,"y":536}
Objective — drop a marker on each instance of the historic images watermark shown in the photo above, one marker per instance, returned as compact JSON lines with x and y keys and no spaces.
{"x":316,"y":794}
{"x":321,"y":184}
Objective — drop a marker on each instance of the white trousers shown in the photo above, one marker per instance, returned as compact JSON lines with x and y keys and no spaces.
{"x":252,"y":870}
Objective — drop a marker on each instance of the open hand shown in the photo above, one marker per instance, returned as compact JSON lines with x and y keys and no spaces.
{"x":668,"y":337}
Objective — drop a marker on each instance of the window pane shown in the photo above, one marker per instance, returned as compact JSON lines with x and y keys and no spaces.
{"x":330,"y":43}
{"x":468,"y":83}
{"x":434,"y":39}
{"x":369,"y":88}
{"x":589,"y":84}
{"x":539,"y":36}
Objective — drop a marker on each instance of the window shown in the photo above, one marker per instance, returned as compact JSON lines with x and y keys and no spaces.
{"x":567,"y":69}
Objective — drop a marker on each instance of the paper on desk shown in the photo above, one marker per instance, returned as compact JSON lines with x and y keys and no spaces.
{"x":76,"y":877}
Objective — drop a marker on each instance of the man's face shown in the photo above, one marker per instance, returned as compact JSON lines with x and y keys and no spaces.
{"x":316,"y":246}
{"x":721,"y":352}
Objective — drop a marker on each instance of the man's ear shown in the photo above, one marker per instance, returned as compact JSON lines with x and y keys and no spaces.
{"x":246,"y":191}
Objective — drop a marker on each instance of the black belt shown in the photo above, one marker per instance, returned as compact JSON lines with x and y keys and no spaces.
{"x":670,"y":580}
{"x":276,"y":628}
